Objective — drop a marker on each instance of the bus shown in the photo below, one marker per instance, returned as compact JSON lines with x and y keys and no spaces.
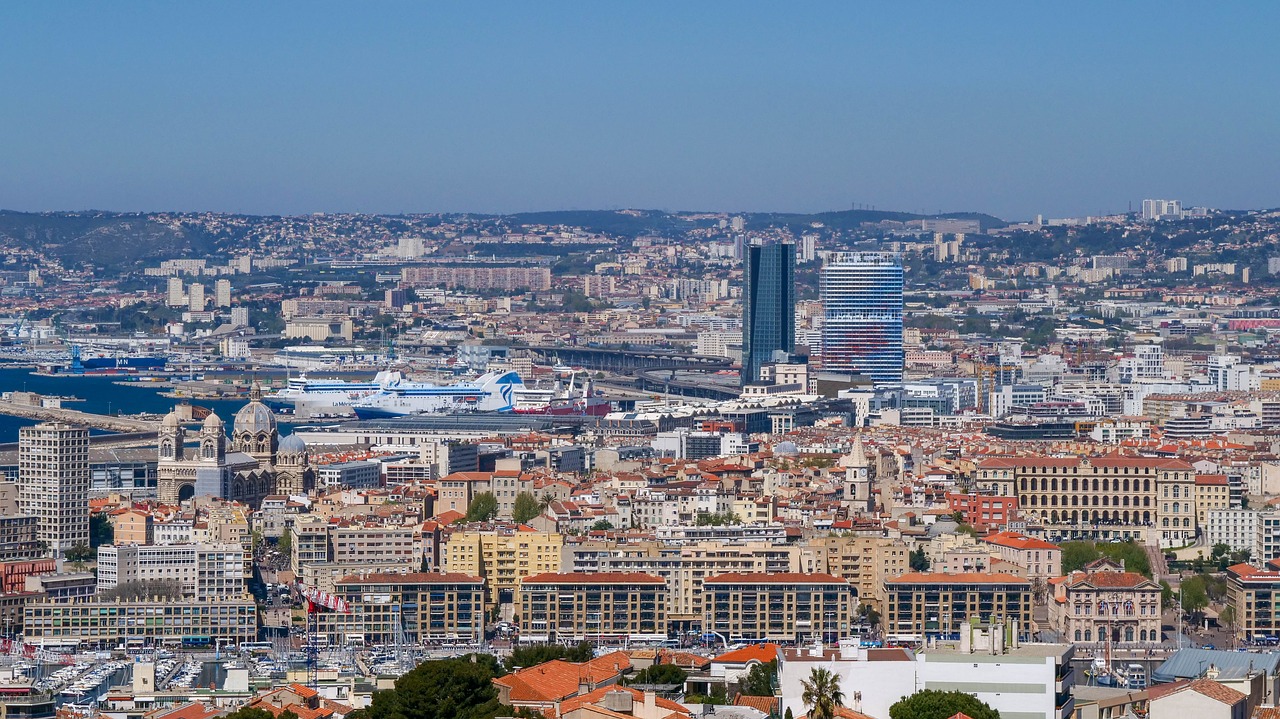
{"x":256,"y":647}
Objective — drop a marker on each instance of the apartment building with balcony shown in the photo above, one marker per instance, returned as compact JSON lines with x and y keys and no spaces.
{"x":932,"y":604}
{"x":416,"y":607}
{"x":780,"y":607}
{"x":597,"y":606}
{"x":502,"y":556}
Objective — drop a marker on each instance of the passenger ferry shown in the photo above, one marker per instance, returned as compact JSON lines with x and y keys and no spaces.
{"x":327,"y":392}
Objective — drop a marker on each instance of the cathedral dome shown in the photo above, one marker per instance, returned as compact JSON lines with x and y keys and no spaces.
{"x":255,"y":417}
{"x":786,"y":449}
{"x":171,"y":421}
{"x":213,"y":421}
{"x":292,"y":444}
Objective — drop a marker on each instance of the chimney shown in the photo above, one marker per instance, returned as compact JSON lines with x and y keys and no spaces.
{"x":650,"y":705}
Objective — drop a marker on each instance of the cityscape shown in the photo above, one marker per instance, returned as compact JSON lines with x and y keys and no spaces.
{"x":511,"y":459}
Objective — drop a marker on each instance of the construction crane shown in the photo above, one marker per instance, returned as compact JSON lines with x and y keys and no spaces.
{"x":316,"y":600}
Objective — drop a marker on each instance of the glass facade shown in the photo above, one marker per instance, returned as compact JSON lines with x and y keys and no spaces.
{"x":862,"y":315}
{"x":768,"y":306}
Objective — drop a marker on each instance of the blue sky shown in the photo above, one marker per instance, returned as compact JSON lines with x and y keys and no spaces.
{"x":1012,"y":108}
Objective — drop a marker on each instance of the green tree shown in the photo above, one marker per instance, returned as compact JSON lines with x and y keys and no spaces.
{"x":1195,"y":594}
{"x":822,"y":694}
{"x":101,"y":531}
{"x":659,"y":674}
{"x":256,"y":713}
{"x":526,"y":507}
{"x":1077,"y":554}
{"x":285,"y":544}
{"x":788,"y":715}
{"x":535,"y":654}
{"x":483,"y":507}
{"x":935,"y":704}
{"x":760,"y":680}
{"x":1227,"y":618}
{"x":443,"y":689}
{"x":80,"y":553}
{"x":918,"y":560}
{"x":602,"y":525}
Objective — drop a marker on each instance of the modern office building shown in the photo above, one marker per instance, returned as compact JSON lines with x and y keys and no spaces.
{"x":53,"y":483}
{"x":183,"y":622}
{"x":199,"y":571}
{"x":768,"y":306}
{"x":862,"y":315}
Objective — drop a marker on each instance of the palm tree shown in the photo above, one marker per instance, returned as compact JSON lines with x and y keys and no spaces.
{"x":822,"y":694}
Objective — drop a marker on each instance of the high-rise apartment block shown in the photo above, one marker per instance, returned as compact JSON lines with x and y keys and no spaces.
{"x":53,"y":483}
{"x":222,"y":293}
{"x":1156,"y":210}
{"x":768,"y":306}
{"x":195,"y":297}
{"x":177,"y":294}
{"x":862,"y":315}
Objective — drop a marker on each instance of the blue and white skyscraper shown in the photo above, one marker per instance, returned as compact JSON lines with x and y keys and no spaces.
{"x":862,"y":315}
{"x":768,"y":306}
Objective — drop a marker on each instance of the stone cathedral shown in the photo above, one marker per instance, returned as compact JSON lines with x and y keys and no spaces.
{"x":258,"y":463}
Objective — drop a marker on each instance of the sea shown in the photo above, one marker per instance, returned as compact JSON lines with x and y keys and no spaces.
{"x":102,"y":395}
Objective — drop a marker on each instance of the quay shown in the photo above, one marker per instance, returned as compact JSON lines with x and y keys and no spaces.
{"x":71,"y":416}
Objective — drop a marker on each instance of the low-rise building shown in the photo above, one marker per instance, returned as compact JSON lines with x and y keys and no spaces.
{"x":101,"y":621}
{"x":1026,"y":681}
{"x":1236,"y":528}
{"x":357,"y":474}
{"x":1042,"y":560}
{"x":1105,"y":603}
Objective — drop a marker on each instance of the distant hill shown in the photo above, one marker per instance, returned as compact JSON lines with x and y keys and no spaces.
{"x":853,"y":219}
{"x":106,"y":239}
{"x":632,"y":223}
{"x":123,"y":241}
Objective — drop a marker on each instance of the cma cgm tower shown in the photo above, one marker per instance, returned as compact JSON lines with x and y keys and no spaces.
{"x":862,"y":315}
{"x":768,"y":306}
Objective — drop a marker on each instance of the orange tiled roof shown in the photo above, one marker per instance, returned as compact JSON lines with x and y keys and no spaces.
{"x":593,"y":578}
{"x":775,"y":578}
{"x":766,"y":705}
{"x":1018,"y":541}
{"x":756,"y":652}
{"x":637,"y":696}
{"x":958,"y":578}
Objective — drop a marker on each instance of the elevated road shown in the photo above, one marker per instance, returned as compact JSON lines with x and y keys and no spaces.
{"x":622,"y":361}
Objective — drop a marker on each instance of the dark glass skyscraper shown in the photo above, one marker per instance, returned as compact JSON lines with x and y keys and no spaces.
{"x":768,"y":306}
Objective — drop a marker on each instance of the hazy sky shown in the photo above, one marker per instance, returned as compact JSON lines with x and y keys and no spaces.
{"x":1014,"y":108}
